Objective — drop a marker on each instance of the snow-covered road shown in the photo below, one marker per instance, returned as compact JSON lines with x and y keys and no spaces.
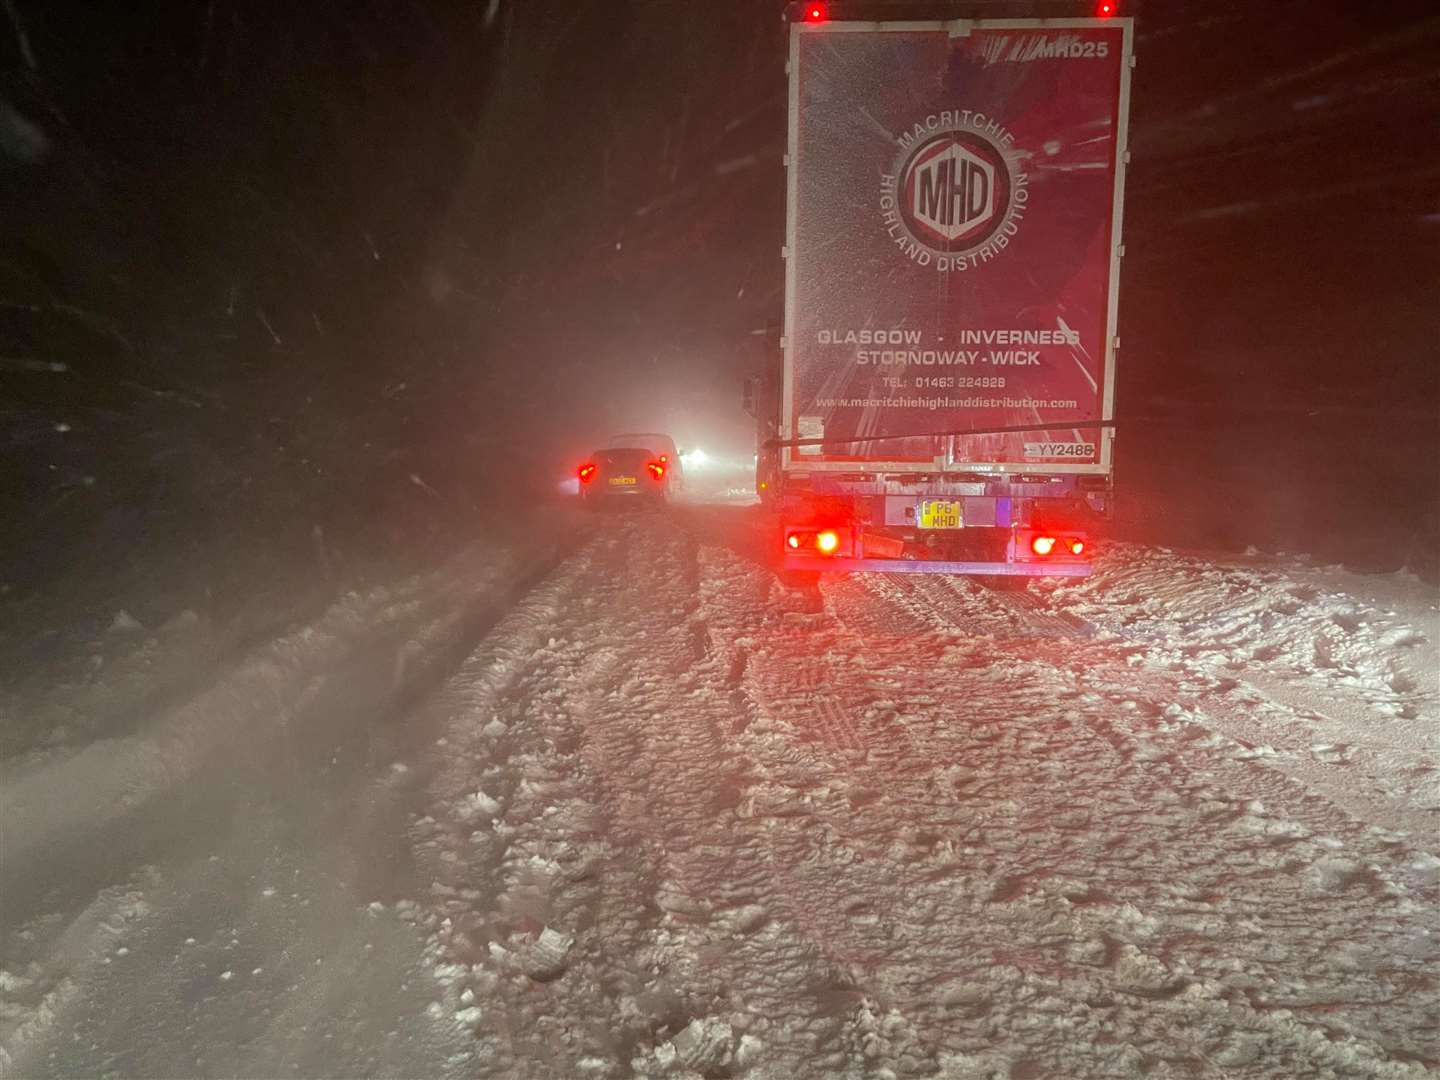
{"x":673,"y":818}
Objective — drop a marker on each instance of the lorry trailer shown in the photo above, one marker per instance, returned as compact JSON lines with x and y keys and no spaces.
{"x":941,"y":395}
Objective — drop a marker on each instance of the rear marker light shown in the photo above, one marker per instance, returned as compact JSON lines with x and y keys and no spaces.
{"x":657,"y":470}
{"x":586,"y":472}
{"x":793,"y":540}
{"x":1042,"y":545}
{"x":815,"y":13}
{"x":827,"y":542}
{"x":1077,"y":547}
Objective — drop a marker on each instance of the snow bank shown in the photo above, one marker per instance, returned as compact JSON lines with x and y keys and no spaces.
{"x":62,"y":798}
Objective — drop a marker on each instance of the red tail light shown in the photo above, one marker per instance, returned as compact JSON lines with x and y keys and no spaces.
{"x":657,"y":469}
{"x":812,"y":541}
{"x":1031,"y":544}
{"x":814,"y":13}
{"x":1105,"y":8}
{"x":586,"y":473}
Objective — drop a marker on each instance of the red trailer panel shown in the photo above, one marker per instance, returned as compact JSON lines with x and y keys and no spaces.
{"x":954,"y":242}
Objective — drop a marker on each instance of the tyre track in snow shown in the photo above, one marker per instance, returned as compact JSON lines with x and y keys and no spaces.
{"x":660,"y":714}
{"x":1271,"y":721}
{"x":637,"y":731}
{"x":518,"y":846}
{"x":1374,"y":866}
{"x":696,"y":823}
{"x":887,"y":882}
{"x":742,"y":948}
{"x":1330,"y":676}
{"x":1228,"y":1039}
{"x":1132,"y":966}
{"x":551,"y":871}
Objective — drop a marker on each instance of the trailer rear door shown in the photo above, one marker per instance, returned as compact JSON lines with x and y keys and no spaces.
{"x":953,"y":245}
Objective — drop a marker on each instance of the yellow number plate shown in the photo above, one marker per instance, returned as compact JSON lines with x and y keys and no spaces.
{"x":935,"y":514}
{"x":623,"y":480}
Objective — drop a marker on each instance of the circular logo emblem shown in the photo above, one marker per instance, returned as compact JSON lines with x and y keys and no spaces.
{"x":954,"y":191}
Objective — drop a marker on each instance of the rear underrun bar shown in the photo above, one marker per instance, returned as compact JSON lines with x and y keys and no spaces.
{"x":930,"y":566}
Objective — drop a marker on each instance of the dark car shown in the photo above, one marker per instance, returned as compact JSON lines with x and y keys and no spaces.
{"x":662,"y":447}
{"x":625,"y":474}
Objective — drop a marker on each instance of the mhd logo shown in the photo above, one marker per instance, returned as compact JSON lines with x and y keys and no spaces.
{"x":954,"y":200}
{"x":956,"y":190}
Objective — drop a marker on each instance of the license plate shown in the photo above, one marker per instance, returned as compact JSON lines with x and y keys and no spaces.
{"x":937,"y":514}
{"x":623,"y":481}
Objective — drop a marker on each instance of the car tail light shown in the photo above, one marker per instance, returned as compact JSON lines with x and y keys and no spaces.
{"x":1042,"y":545}
{"x":793,"y":541}
{"x":657,"y":469}
{"x":586,"y":473}
{"x":827,"y":542}
{"x":815,"y":13}
{"x":1077,"y":547}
